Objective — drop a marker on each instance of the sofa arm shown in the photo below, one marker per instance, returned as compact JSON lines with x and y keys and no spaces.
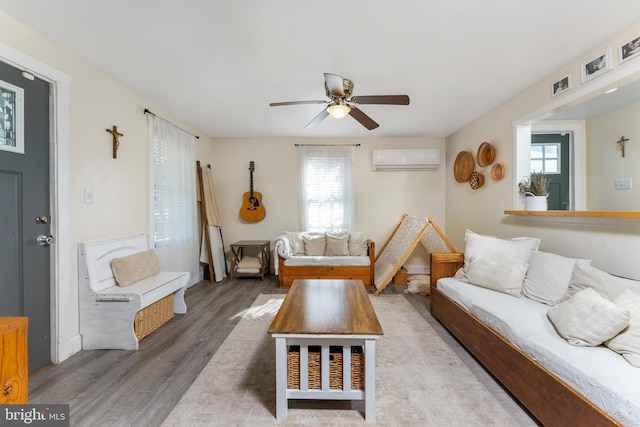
{"x":445,"y":265}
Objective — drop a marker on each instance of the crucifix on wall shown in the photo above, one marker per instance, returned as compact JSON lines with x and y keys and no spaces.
{"x":621,"y":141}
{"x":116,"y":141}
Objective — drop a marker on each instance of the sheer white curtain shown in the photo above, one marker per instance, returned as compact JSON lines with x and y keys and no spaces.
{"x":173,"y":197}
{"x":326,"y":188}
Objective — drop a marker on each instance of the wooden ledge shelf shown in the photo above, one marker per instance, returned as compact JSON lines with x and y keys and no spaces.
{"x":575,"y":214}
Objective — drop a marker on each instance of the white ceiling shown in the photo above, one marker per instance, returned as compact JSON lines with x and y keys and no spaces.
{"x":218,"y":64}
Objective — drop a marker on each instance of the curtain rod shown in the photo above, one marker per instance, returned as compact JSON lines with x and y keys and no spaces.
{"x":326,"y":145}
{"x":146,"y":111}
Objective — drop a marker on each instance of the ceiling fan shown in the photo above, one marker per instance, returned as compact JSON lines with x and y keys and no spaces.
{"x":339,"y":91}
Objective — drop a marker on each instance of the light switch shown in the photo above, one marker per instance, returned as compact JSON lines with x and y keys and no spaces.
{"x":88,"y":195}
{"x":623,"y":184}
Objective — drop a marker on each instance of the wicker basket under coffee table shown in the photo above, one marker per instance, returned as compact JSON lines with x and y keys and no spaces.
{"x":322,"y":325}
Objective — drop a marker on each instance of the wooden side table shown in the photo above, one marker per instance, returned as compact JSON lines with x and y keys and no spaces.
{"x":263,"y":247}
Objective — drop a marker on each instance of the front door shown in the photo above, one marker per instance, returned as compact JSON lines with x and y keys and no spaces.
{"x":25,"y":208}
{"x":550,"y":154}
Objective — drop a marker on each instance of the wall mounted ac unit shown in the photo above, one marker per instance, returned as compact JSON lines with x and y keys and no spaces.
{"x":405,"y":159}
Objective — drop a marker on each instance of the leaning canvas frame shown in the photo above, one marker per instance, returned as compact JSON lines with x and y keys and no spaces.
{"x":596,"y":66}
{"x":11,"y":118}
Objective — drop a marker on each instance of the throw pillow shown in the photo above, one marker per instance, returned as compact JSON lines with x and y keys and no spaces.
{"x":587,"y":276}
{"x":548,"y":277}
{"x":314,"y":245}
{"x":337,"y":245}
{"x":297,"y":245}
{"x":358,"y":243}
{"x":588,"y":319}
{"x":627,"y":342}
{"x":135,"y":267}
{"x":498,"y":276}
{"x":512,"y":251}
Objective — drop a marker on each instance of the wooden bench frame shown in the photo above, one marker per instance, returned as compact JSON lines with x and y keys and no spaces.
{"x":288,"y":273}
{"x":547,"y":397}
{"x":108,"y":311}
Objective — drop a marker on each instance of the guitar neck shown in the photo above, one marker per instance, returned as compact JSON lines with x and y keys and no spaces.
{"x":251,"y":183}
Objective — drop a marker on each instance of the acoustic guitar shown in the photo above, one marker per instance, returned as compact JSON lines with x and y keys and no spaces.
{"x":252,"y":209}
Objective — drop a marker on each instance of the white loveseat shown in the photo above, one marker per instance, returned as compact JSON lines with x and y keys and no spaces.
{"x":301,"y":255}
{"x":563,"y":337}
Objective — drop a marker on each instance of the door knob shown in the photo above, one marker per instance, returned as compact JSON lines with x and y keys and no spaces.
{"x":44,"y":240}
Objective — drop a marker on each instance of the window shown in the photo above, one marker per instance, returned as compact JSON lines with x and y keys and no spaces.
{"x":326,"y":188}
{"x":545,"y":158}
{"x":173,"y":197}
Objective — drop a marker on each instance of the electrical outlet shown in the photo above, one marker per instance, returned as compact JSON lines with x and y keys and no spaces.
{"x":623,"y":184}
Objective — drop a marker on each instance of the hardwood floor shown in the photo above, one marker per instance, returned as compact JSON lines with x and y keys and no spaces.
{"x":140,"y":388}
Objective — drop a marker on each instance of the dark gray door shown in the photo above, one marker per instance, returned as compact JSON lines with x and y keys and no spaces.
{"x":25,"y":210}
{"x":550,"y":154}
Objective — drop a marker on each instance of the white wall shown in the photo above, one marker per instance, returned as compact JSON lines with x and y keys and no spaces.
{"x":381,"y":197}
{"x":605,"y":161}
{"x":613,"y":246}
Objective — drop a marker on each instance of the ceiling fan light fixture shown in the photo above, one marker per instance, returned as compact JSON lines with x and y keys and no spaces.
{"x":338,"y":110}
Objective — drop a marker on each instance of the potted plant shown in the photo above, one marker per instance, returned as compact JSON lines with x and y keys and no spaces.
{"x":534,"y":190}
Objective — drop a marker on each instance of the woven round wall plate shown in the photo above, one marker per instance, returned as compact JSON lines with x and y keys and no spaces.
{"x":477,"y":180}
{"x":463,"y":166}
{"x":486,"y":154}
{"x":497,"y":171}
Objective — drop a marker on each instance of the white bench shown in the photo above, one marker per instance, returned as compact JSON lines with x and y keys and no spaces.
{"x":108,"y":311}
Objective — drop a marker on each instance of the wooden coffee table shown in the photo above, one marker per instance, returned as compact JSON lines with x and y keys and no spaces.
{"x":326,"y":313}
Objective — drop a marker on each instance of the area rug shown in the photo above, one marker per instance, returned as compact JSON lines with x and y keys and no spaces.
{"x":419,"y":379}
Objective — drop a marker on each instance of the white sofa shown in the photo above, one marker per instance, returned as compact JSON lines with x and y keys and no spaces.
{"x":551,"y":364}
{"x":301,"y":255}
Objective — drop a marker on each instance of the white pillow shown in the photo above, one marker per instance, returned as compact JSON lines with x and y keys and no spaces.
{"x":297,"y":245}
{"x":548,"y":277}
{"x":314,"y":244}
{"x":358,"y":243}
{"x":337,"y":245}
{"x":588,"y":319}
{"x":511,"y":251}
{"x":587,"y":276}
{"x":499,"y":276}
{"x":627,"y":342}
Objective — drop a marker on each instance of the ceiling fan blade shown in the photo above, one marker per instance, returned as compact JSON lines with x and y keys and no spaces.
{"x":334,"y":84}
{"x":319,"y":118}
{"x":364,"y":120}
{"x":279,"y":104}
{"x":381,"y":99}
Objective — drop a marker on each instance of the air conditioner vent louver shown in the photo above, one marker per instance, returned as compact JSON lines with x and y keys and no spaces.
{"x":405,"y":159}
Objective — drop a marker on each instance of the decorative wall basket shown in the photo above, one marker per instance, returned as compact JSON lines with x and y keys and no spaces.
{"x":536,"y":203}
{"x":477,"y":180}
{"x":463,"y":166}
{"x":497,"y":171}
{"x":486,"y":154}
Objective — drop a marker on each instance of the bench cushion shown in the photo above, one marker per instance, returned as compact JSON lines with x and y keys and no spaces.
{"x":135,"y":267}
{"x":152,"y":288}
